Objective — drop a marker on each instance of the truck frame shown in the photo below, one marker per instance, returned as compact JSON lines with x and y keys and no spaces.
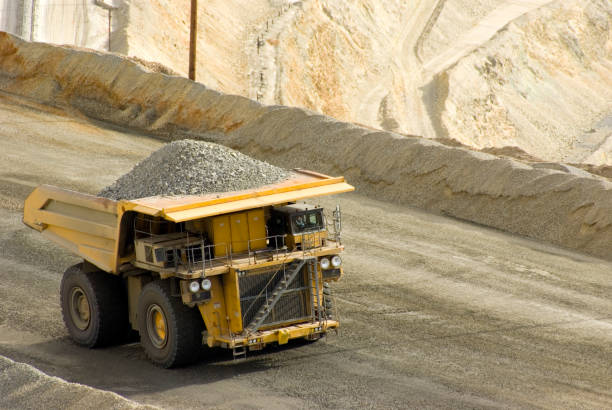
{"x":238,"y":270}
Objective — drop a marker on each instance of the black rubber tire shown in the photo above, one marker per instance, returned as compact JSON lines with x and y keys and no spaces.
{"x":183,"y":327}
{"x":106,"y":297}
{"x":327,"y":296}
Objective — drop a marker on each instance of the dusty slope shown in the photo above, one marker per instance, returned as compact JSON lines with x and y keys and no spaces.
{"x":551,"y":205}
{"x":436,"y":312}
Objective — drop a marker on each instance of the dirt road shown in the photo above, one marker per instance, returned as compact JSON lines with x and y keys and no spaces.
{"x":435,"y":312}
{"x":482,"y":32}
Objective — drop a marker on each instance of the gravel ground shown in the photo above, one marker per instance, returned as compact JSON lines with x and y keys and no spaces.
{"x":188,"y":167}
{"x":435,"y":312}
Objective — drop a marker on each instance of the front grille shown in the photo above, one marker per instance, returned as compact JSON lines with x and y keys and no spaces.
{"x":257,"y":285}
{"x":200,"y":296}
{"x":331,"y":273}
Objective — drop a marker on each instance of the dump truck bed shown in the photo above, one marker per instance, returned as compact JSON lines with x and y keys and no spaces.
{"x":91,"y":226}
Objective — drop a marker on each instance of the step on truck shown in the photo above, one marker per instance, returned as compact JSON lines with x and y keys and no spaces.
{"x":238,"y":270}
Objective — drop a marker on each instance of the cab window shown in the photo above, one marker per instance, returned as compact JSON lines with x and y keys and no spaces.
{"x":310,"y":221}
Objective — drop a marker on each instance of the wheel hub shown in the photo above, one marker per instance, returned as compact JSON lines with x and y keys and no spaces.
{"x":156,"y":326}
{"x":80,"y":312}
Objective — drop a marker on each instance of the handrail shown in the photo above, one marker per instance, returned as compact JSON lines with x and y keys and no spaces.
{"x":186,"y":253}
{"x":191,"y":261}
{"x":279,"y":246}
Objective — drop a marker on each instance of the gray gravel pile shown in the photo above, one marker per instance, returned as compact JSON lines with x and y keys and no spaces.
{"x":189,"y":167}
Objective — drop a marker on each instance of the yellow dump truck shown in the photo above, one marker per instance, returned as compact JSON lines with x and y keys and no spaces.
{"x":238,"y":270}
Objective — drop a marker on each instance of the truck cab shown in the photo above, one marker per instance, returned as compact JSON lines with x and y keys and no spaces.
{"x":302,"y":225}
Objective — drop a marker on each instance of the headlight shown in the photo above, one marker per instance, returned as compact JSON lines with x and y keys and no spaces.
{"x":336,"y":261}
{"x":324,"y":263}
{"x":206,"y":284}
{"x":194,"y":286}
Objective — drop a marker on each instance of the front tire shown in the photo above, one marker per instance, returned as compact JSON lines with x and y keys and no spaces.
{"x":170,"y":332}
{"x":94,"y":307}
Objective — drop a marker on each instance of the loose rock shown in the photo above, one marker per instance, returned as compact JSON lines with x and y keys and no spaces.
{"x":189,"y":167}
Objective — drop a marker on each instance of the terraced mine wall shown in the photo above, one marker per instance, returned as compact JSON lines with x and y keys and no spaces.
{"x":573,"y":210}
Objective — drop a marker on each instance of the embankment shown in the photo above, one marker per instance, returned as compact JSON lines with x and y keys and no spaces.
{"x":24,"y":387}
{"x":570,"y":210}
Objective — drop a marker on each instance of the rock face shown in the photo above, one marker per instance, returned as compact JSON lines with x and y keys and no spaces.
{"x":543,"y":84}
{"x":189,"y":167}
{"x":77,"y":23}
{"x":561,"y":207}
{"x":489,"y":73}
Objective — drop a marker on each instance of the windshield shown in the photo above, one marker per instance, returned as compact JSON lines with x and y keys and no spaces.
{"x":307,"y":222}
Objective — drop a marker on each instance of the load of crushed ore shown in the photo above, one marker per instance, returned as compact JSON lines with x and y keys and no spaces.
{"x":189,"y":167}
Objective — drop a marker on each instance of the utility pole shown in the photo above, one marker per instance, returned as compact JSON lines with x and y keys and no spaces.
{"x":110,"y":27}
{"x":110,"y":8}
{"x":27,"y":25}
{"x":193,"y":38}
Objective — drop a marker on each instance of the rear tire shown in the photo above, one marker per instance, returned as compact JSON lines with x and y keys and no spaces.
{"x":170,"y":332}
{"x":94,"y":307}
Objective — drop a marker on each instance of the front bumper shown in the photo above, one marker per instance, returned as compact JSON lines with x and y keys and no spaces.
{"x":258,"y":340}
